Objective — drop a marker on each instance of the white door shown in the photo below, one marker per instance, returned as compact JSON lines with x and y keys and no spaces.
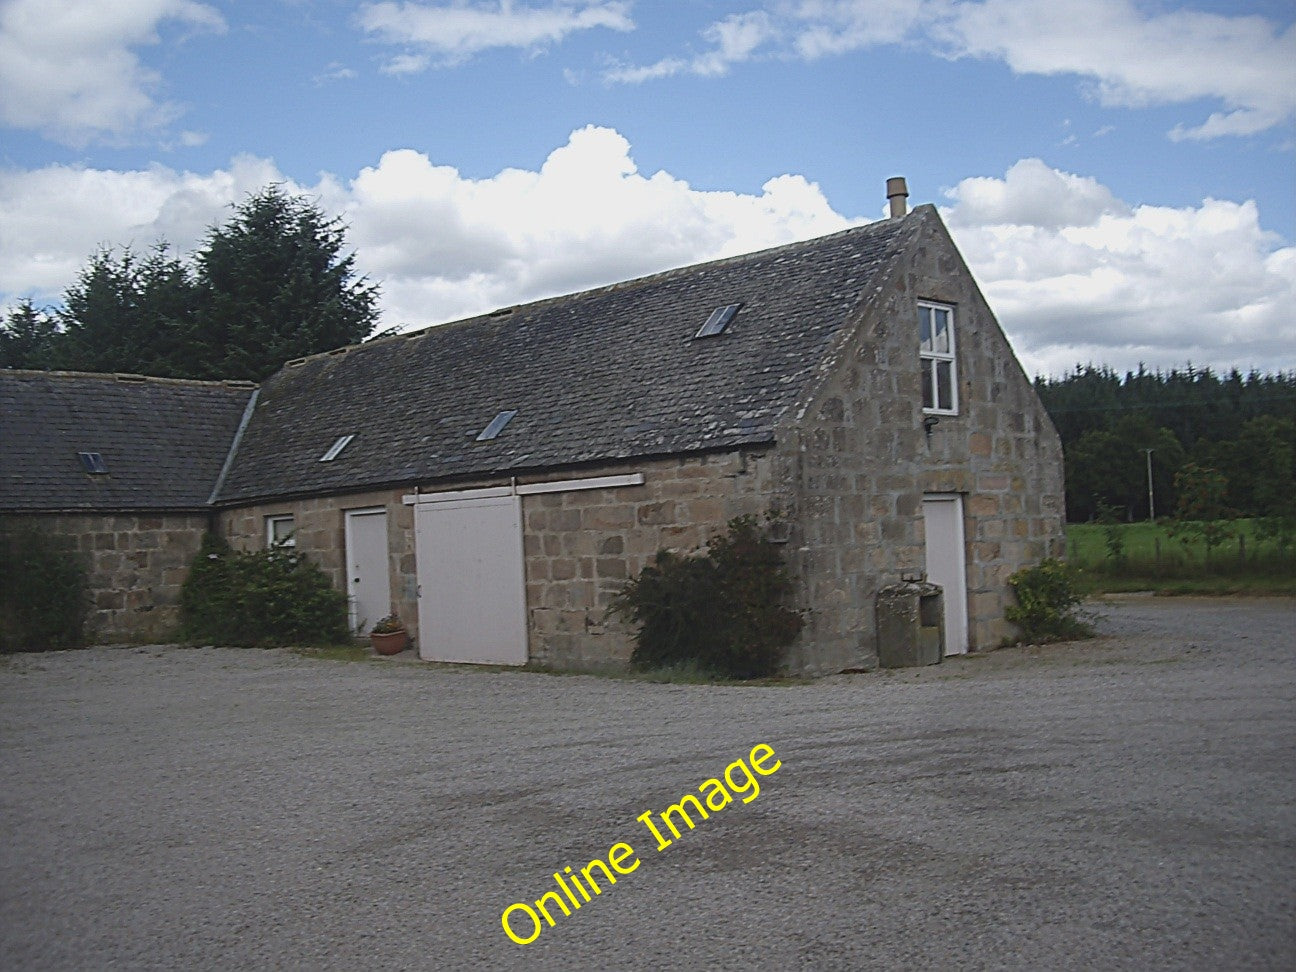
{"x":472,"y":582}
{"x":368,"y":577}
{"x":943,"y":518}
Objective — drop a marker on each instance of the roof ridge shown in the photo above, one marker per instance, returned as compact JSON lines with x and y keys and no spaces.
{"x":689,"y":268}
{"x":129,"y":378}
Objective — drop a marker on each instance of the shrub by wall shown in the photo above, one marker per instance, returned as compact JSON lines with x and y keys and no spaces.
{"x":724,"y":610}
{"x":262,"y":598}
{"x":1048,"y":603}
{"x":44,"y":596}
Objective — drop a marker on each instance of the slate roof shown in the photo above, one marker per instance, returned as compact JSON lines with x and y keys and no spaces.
{"x":606,"y":374}
{"x":163,"y":441}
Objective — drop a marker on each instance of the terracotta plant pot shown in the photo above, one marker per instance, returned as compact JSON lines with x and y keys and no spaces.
{"x":391,"y":643}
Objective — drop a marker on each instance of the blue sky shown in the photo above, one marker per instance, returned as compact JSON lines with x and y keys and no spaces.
{"x":1121,"y":176}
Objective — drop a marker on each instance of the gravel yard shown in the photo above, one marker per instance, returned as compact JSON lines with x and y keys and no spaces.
{"x":1125,"y":803}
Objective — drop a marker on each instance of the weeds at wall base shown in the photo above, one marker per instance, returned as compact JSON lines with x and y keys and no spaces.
{"x":44,"y":594}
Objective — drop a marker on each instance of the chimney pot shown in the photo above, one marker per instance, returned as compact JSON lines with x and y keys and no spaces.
{"x":897,"y":193}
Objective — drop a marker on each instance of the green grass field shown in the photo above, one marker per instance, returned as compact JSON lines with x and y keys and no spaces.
{"x":1155,"y":560}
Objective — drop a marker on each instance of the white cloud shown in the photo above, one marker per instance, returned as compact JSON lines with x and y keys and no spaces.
{"x":56,"y":216}
{"x":1074,"y":273}
{"x":441,"y":244}
{"x":446,"y":246}
{"x":68,"y":67}
{"x":735,"y":39}
{"x":1137,"y":59}
{"x":447,"y":34}
{"x":825,"y":27}
{"x":1033,"y":194}
{"x":1131,"y":58}
{"x":335,"y":71}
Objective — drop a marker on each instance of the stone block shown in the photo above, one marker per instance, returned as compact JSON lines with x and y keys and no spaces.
{"x":608,"y":518}
{"x":683,"y":538}
{"x":895,"y":530}
{"x":706,"y":512}
{"x":612,"y":568}
{"x":656,"y":514}
{"x":561,"y":521}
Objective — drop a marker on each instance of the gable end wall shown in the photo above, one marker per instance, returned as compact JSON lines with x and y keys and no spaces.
{"x":858,"y":463}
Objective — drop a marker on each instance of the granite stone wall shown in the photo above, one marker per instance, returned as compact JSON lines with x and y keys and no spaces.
{"x":579,"y":547}
{"x":319,"y":526}
{"x":859,"y":461}
{"x":136,"y":564}
{"x":850,"y":468}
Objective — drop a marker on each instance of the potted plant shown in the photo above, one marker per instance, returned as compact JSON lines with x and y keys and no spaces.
{"x":389,"y":636}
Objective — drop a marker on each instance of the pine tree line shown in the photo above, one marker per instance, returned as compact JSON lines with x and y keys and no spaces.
{"x":271,"y":284}
{"x":1241,"y":426}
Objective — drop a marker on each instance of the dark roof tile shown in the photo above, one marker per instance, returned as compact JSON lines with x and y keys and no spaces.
{"x":602,"y":375}
{"x":163,"y":441}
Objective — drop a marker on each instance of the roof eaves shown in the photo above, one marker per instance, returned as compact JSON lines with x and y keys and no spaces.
{"x":758,"y":441}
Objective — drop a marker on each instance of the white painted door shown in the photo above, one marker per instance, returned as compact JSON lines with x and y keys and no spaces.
{"x":472,"y":582}
{"x":368,"y":577}
{"x":946,"y":566}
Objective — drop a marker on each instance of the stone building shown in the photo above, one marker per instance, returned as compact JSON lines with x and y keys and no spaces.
{"x":494,"y":481}
{"x":120,"y":469}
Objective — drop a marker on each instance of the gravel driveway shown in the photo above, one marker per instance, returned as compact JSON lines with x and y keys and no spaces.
{"x":1126,"y":803}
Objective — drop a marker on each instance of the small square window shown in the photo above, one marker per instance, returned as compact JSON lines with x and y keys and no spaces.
{"x":93,"y":463}
{"x":718,"y":321}
{"x":496,"y":425}
{"x":937,"y":357}
{"x":336,"y":448}
{"x":280,"y":531}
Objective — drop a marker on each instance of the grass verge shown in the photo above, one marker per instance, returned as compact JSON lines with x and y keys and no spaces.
{"x":1155,"y":561}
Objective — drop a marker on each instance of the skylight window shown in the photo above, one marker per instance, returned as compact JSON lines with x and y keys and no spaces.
{"x":93,"y":463}
{"x":496,"y":425}
{"x":718,"y":321}
{"x":336,"y":448}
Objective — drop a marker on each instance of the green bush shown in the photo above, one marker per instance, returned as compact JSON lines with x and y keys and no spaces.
{"x":1048,"y":603}
{"x":1113,"y":534}
{"x":723,"y":610}
{"x":44,"y":597}
{"x":263,"y":598}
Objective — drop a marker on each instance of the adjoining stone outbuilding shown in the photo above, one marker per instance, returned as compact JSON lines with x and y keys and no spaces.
{"x":494,"y":481}
{"x":120,"y":469}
